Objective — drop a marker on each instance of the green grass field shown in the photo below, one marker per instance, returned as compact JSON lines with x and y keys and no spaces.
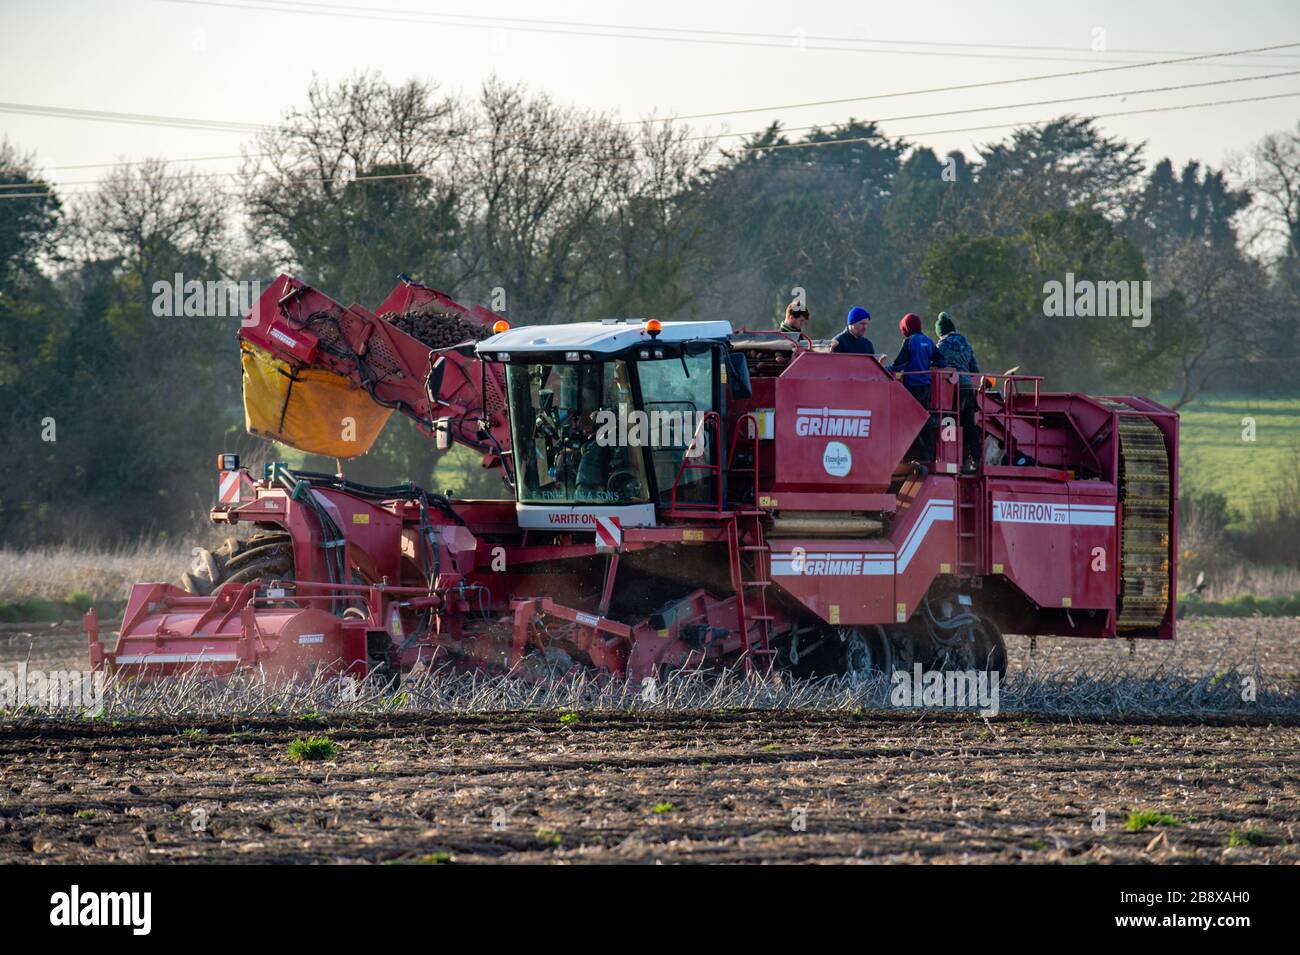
{"x":1216,"y":457}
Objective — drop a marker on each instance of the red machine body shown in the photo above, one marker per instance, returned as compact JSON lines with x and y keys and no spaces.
{"x":800,"y":538}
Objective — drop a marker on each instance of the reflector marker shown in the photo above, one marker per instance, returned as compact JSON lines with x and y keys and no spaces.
{"x":609,"y":533}
{"x":228,"y":489}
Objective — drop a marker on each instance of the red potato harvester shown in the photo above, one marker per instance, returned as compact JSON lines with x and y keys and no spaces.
{"x":682,"y":495}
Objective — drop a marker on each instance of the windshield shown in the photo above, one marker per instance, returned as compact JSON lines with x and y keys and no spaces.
{"x":556,"y":414}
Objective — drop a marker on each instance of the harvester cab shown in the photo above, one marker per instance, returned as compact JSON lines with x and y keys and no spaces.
{"x":614,"y":420}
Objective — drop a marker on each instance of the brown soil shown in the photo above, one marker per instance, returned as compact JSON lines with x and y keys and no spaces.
{"x":729,"y":787}
{"x":624,"y":788}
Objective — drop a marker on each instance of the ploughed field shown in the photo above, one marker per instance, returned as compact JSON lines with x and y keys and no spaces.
{"x":757,"y":786}
{"x":724,"y":785}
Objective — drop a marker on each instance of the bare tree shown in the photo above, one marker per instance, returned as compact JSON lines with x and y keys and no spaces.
{"x":151,"y":220}
{"x":1217,"y":335}
{"x":357,"y":186}
{"x":537,"y":178}
{"x":1277,"y":187}
{"x":642,"y":250}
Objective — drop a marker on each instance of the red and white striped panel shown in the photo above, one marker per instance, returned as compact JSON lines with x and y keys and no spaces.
{"x":228,"y":487}
{"x":609,"y":533}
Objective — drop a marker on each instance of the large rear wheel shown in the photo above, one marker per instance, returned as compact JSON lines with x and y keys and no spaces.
{"x":267,"y":555}
{"x":865,"y":651}
{"x":977,"y":646}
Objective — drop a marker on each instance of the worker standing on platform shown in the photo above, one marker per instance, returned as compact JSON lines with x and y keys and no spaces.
{"x":913,"y":361}
{"x":853,"y":340}
{"x":796,"y":317}
{"x":957,"y":353}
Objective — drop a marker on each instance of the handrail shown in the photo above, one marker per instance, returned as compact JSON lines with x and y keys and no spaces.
{"x":1008,"y":413}
{"x":776,"y":331}
{"x":686,"y":466}
{"x":752,"y":419}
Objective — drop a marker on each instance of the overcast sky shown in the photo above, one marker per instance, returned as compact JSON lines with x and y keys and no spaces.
{"x":245,"y":61}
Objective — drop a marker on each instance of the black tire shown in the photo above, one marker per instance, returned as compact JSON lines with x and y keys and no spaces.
{"x":983,"y":649}
{"x":865,"y":651}
{"x":267,"y":555}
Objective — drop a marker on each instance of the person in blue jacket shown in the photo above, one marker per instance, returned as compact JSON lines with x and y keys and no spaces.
{"x":918,"y":355}
{"x":853,"y":340}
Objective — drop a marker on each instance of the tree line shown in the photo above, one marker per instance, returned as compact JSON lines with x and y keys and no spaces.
{"x":553,"y":214}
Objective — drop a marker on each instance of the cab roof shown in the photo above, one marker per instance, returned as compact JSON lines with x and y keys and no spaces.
{"x":603,"y":338}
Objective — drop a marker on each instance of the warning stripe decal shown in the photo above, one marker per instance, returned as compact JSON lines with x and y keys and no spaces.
{"x":228,"y":490}
{"x":609,"y":533}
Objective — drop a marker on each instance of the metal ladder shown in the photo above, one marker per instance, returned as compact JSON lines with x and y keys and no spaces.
{"x":750,"y":555}
{"x":968,"y":522}
{"x":751,"y":575}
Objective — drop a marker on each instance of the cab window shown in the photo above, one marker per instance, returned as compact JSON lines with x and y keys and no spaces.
{"x":676,"y":393}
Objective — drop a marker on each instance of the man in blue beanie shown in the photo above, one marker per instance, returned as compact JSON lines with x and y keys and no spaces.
{"x":853,"y":340}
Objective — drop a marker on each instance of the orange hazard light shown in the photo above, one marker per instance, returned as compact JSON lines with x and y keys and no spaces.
{"x":499,"y":326}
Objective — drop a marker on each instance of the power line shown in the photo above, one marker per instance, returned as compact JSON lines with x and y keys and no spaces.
{"x":973,"y":129}
{"x":1042,"y":102}
{"x":885,"y":119}
{"x":145,"y":162}
{"x":599,"y":30}
{"x":970,"y":86}
{"x":806,"y":145}
{"x":143,"y":119}
{"x":699,"y":31}
{"x":218,"y":125}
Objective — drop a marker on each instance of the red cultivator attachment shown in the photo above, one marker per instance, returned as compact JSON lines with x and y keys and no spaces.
{"x":168,"y":630}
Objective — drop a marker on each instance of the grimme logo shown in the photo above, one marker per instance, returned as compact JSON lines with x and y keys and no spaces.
{"x":1086,"y":299}
{"x":832,"y":423}
{"x":656,"y":429}
{"x":75,"y":907}
{"x":179,"y":298}
{"x":946,"y":689}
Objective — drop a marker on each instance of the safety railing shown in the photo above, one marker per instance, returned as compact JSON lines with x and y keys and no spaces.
{"x":751,"y":431}
{"x":1011,"y":412}
{"x":714,"y":420}
{"x":1019,"y":402}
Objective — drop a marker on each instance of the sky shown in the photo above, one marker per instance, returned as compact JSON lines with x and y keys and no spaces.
{"x":247,"y":61}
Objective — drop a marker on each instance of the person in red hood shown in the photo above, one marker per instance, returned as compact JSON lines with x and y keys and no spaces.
{"x":914,"y":361}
